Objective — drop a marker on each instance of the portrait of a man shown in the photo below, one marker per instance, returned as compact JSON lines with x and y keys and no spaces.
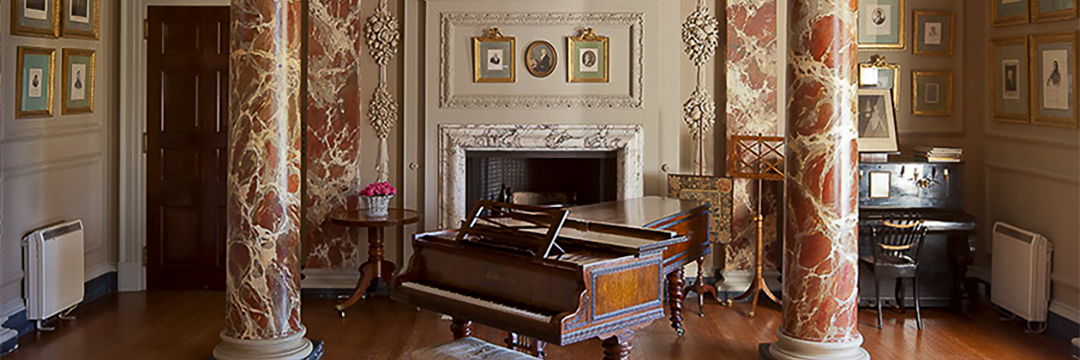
{"x":540,"y":58}
{"x":1055,"y":75}
{"x":1010,"y":74}
{"x":878,"y":20}
{"x":589,"y":60}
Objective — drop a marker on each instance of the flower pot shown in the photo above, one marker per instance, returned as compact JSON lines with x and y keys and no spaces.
{"x":377,"y":206}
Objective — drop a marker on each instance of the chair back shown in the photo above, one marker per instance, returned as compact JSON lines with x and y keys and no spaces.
{"x":896,"y":237}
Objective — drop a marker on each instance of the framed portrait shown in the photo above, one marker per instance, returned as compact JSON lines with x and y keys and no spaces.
{"x":78,"y":82}
{"x":81,"y":18}
{"x":881,"y":24}
{"x":879,"y":74}
{"x":33,"y":82}
{"x":933,"y":32}
{"x":40,"y":18}
{"x":588,"y":57}
{"x":1053,"y":79}
{"x":541,"y":58}
{"x":493,"y":58}
{"x":1009,"y":78}
{"x":931,"y":93}
{"x":877,"y":121}
{"x":1053,"y":10}
{"x":1008,"y":12}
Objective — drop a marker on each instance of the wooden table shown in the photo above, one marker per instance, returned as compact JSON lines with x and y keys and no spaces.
{"x":376,"y":267}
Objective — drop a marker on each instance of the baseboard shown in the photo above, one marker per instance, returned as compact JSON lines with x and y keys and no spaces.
{"x":92,"y":290}
{"x":99,"y":287}
{"x":129,"y":277}
{"x":329,"y":279}
{"x":1063,"y":322}
{"x":97,"y":270}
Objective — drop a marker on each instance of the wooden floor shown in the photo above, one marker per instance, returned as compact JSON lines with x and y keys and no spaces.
{"x":185,"y":325}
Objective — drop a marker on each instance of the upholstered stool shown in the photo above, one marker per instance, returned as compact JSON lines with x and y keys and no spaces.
{"x":468,"y":348}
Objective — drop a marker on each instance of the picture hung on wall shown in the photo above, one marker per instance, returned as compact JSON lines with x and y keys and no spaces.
{"x":1008,"y":12}
{"x":1054,"y":10}
{"x":1008,"y":79}
{"x":33,"y":82}
{"x":1053,"y":79}
{"x":540,"y":58}
{"x":877,"y":121}
{"x":879,"y":74}
{"x":493,"y":58}
{"x":39,"y":18}
{"x":81,"y":18}
{"x":933,"y":32}
{"x":588,"y":57}
{"x":881,"y":24}
{"x":932,"y":93}
{"x":78,"y":84}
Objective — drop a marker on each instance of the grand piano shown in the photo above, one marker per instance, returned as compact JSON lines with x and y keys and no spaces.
{"x":539,"y":274}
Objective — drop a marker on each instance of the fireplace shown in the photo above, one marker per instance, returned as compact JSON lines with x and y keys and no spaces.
{"x":546,"y":178}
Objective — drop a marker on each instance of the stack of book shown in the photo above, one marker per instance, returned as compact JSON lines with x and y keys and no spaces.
{"x":939,"y":154}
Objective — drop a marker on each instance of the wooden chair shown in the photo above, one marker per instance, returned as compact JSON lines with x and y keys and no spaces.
{"x":897,"y":243}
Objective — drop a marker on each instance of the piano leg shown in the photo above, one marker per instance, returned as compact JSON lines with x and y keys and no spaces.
{"x":960,"y":256}
{"x":618,"y":347}
{"x":675,"y":299}
{"x":461,"y":328}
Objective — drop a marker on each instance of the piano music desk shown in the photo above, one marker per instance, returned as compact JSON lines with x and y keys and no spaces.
{"x":376,"y":267}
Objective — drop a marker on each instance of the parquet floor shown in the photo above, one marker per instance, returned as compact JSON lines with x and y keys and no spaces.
{"x":185,"y":325}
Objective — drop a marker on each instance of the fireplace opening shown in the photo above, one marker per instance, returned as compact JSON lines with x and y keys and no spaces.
{"x":546,"y":178}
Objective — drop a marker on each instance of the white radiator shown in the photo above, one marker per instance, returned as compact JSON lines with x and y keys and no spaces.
{"x":53,"y":257}
{"x":1020,"y":275}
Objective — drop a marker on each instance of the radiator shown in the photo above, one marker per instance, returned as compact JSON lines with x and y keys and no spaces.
{"x":53,"y":257}
{"x":1020,"y":275}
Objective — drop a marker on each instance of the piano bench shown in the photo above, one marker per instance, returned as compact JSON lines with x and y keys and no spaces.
{"x":468,"y":348}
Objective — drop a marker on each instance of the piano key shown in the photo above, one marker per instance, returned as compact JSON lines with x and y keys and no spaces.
{"x":476,"y":301}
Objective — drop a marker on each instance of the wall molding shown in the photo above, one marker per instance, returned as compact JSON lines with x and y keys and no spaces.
{"x":448,"y":98}
{"x":1038,"y":172}
{"x":1031,"y":139}
{"x":98,"y":270}
{"x":38,"y":167}
{"x":1065,"y":311}
{"x":28,"y":133}
{"x":1059,"y":278}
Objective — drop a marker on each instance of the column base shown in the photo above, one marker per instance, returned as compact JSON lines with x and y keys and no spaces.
{"x":294,"y":347}
{"x":788,"y":348}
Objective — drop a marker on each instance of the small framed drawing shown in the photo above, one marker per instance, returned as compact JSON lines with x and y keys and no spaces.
{"x":1053,"y":10}
{"x":878,"y":74}
{"x":81,"y":18}
{"x":78,"y":84}
{"x":932,"y":93}
{"x":493,"y":58}
{"x":39,"y":18}
{"x":1053,"y":79}
{"x":588,"y":57}
{"x":1008,"y":79}
{"x":540,"y":58}
{"x":881,"y":24}
{"x":877,"y":121}
{"x":33,"y":82}
{"x":1008,"y":12}
{"x":933,"y":32}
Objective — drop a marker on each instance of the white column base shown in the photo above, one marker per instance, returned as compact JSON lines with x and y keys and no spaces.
{"x":294,"y":347}
{"x":789,"y":348}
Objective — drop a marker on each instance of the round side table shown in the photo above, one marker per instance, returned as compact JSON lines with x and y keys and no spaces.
{"x":376,"y":267}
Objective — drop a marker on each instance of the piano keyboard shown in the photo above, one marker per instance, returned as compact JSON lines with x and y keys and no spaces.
{"x":477,"y":302}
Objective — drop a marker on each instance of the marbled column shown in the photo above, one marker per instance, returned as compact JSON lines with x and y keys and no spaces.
{"x":821,"y":249}
{"x":332,"y":164}
{"x":262,"y":291}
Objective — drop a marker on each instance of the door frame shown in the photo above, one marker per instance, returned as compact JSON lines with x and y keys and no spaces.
{"x":132,"y":230}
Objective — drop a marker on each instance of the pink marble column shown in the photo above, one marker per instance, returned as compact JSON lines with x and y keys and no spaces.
{"x":821,"y":247}
{"x":262,"y":290}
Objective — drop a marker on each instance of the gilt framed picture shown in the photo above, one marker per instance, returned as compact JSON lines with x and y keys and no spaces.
{"x":493,"y":58}
{"x":1009,"y":78}
{"x":881,"y":24}
{"x":1053,"y":10}
{"x":588,"y":57}
{"x":78,"y":82}
{"x":1053,"y":79}
{"x":541,"y":58}
{"x":40,"y":18}
{"x":931,"y":93}
{"x":33,"y":82}
{"x":877,"y":121}
{"x":81,"y":18}
{"x":879,"y":74}
{"x":933,"y":32}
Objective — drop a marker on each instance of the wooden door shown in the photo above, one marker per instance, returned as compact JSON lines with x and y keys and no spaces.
{"x":187,"y":64}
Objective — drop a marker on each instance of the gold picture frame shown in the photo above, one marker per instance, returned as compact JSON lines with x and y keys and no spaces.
{"x":71,"y":27}
{"x":47,"y":21}
{"x":1000,"y":94}
{"x":587,"y":58}
{"x":899,"y":14}
{"x":77,"y":94}
{"x":944,"y":47}
{"x":1036,"y":57}
{"x":494,"y":59}
{"x":1054,"y":15}
{"x":1023,"y":17}
{"x":539,"y":66}
{"x":877,"y":61}
{"x":41,"y":105}
{"x":928,"y":102}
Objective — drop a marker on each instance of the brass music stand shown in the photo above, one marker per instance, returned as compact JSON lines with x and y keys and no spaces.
{"x":761,"y":158}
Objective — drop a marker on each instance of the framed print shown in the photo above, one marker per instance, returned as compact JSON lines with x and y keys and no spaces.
{"x":933,"y":32}
{"x":588,"y":57}
{"x":1053,"y":10}
{"x":78,"y":84}
{"x":81,"y":18}
{"x":932,"y":93}
{"x":1009,"y":78}
{"x":1053,"y":79}
{"x":1008,"y":12}
{"x":540,"y":58}
{"x":33,"y":82}
{"x":493,"y":58}
{"x":877,"y":121}
{"x":878,"y":74}
{"x":881,"y":24}
{"x":40,"y":18}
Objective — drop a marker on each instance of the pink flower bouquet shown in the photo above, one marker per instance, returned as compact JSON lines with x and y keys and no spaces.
{"x":379,"y":189}
{"x":376,"y":198}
